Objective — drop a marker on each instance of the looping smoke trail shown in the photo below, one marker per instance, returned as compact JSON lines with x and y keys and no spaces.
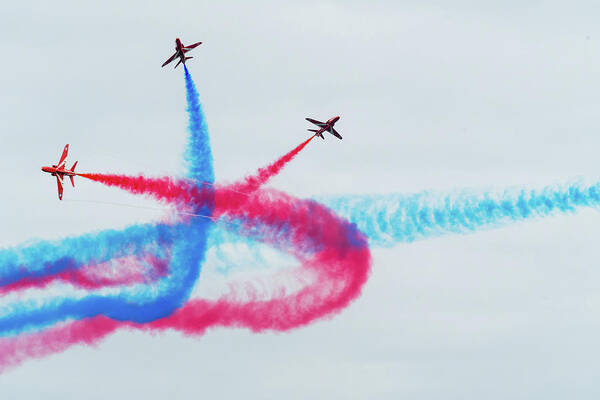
{"x":335,"y":259}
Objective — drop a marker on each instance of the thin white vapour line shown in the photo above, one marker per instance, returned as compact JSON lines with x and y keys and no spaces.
{"x":146,"y":207}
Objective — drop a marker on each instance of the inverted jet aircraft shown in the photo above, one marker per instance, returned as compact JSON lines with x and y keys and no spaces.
{"x":60,"y":171}
{"x":180,"y":51}
{"x":325,"y":127}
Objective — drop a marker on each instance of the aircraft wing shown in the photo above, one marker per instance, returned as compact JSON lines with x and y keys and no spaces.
{"x":60,"y":187}
{"x":191,"y":46}
{"x":170,"y":59}
{"x":63,"y":157}
{"x":317,"y":123}
{"x":335,"y":133}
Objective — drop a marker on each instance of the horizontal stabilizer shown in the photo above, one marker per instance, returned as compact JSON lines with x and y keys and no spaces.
{"x":72,"y":181}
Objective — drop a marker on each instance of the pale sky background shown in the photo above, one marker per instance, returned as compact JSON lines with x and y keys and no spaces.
{"x":432,"y":96}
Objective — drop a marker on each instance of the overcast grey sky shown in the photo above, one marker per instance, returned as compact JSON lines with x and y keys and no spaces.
{"x":432,"y":96}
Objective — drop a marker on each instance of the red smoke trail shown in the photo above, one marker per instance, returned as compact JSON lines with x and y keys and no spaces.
{"x":234,"y":195}
{"x":185,"y":192}
{"x":120,"y":271}
{"x":164,"y":189}
{"x":15,"y":350}
{"x":261,"y":176}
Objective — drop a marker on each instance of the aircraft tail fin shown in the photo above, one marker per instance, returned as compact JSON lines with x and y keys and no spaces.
{"x":73,"y":170}
{"x":184,"y":60}
{"x":317,"y":133}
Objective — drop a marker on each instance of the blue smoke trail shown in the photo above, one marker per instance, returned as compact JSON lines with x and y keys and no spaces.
{"x":395,"y":218}
{"x":139,"y":303}
{"x":42,"y":259}
{"x":189,"y":251}
{"x":198,"y":154}
{"x":130,"y":304}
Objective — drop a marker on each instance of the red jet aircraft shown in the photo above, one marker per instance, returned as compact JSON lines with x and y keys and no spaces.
{"x":59,"y":171}
{"x":325,"y":127}
{"x":180,"y":51}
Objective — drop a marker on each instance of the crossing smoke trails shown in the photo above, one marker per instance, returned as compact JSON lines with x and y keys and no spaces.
{"x":335,"y":261}
{"x":185,"y":192}
{"x":143,"y":277}
{"x":33,"y":330}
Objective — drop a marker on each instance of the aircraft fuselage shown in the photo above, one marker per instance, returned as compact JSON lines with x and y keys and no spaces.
{"x":58,"y":171}
{"x":332,"y":121}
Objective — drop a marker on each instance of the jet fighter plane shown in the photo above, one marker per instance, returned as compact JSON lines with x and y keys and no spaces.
{"x":325,"y":127}
{"x":180,"y":51}
{"x":60,"y":171}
